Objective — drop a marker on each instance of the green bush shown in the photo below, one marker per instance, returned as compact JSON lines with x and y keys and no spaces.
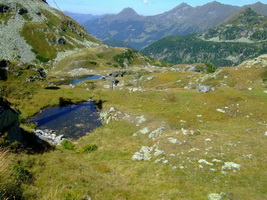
{"x":89,"y":148}
{"x":42,"y":59}
{"x":210,"y":68}
{"x":66,"y":144}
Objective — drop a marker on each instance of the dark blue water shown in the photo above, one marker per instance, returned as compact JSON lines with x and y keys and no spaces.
{"x":85,"y":79}
{"x":73,"y":121}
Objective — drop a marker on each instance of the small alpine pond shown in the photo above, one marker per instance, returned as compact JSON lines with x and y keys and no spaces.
{"x":72,"y":121}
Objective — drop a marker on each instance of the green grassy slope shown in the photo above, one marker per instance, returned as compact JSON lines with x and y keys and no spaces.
{"x":233,"y":134}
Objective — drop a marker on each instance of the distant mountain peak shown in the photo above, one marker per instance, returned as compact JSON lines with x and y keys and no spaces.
{"x":215,"y":2}
{"x":179,"y":11}
{"x":258,"y":3}
{"x":128,"y":13}
{"x":184,"y":5}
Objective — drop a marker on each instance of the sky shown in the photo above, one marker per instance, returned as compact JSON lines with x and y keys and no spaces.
{"x":142,"y":7}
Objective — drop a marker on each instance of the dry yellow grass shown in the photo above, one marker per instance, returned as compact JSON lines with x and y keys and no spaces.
{"x":4,"y":163}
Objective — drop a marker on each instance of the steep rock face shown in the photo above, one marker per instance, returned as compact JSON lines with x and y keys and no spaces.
{"x":35,"y":32}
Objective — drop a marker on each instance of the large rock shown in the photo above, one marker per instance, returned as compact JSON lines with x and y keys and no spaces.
{"x":203,"y":88}
{"x":143,"y":154}
{"x":231,"y":166}
{"x":215,"y":196}
{"x":9,"y":121}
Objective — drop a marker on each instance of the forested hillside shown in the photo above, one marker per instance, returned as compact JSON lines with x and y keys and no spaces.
{"x":241,"y":37}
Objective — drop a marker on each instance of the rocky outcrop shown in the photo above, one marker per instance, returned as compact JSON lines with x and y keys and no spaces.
{"x":4,"y":8}
{"x":9,"y":122}
{"x":49,"y":136}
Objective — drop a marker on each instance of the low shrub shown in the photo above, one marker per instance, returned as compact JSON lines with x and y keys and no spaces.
{"x":90,"y":148}
{"x":66,"y":144}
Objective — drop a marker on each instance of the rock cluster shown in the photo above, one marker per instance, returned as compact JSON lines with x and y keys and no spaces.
{"x":49,"y":136}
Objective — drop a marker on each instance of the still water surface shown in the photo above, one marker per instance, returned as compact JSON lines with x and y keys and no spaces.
{"x":73,"y":121}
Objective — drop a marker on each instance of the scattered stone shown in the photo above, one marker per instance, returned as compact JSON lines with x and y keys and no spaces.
{"x":151,"y":78}
{"x":248,"y":156}
{"x":265,"y":134}
{"x":203,"y":88}
{"x":190,"y":132}
{"x":193,"y":149}
{"x":250,"y":89}
{"x":174,"y":140}
{"x":144,"y":130}
{"x":231,"y":165}
{"x":221,"y":110}
{"x":174,"y":167}
{"x":216,"y":160}
{"x":143,"y":154}
{"x":165,"y":162}
{"x":203,"y":161}
{"x":138,"y":156}
{"x":156,"y":133}
{"x":158,"y":160}
{"x":265,"y":91}
{"x":215,"y":196}
{"x":141,"y":119}
{"x":158,"y":152}
{"x":49,"y":136}
{"x":146,"y":151}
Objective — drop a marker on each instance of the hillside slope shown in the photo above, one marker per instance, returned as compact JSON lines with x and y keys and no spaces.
{"x":241,"y":37}
{"x":34,"y":32}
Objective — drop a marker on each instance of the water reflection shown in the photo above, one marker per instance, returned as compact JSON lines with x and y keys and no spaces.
{"x":85,"y":79}
{"x":72,"y":121}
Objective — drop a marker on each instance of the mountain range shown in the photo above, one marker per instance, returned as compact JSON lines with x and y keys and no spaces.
{"x":81,"y":18}
{"x":242,"y":36}
{"x":139,"y":31}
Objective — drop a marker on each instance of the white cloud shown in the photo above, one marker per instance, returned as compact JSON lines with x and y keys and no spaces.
{"x":145,"y":1}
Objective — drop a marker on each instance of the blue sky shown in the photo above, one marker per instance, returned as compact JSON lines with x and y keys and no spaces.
{"x":142,"y":7}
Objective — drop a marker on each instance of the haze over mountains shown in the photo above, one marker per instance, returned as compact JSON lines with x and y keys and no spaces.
{"x":139,"y":31}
